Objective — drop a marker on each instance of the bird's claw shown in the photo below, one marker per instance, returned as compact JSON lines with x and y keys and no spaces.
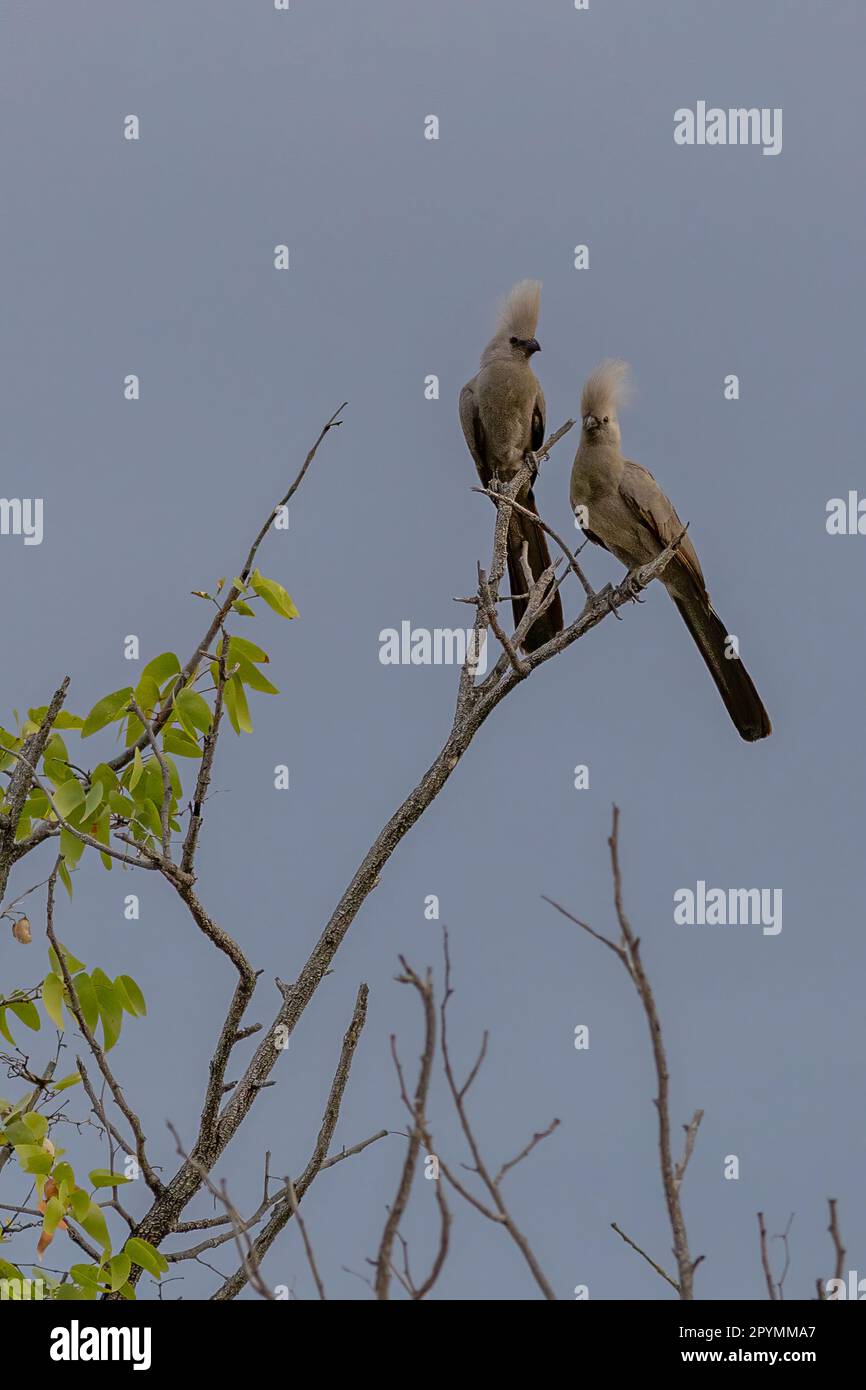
{"x":606,"y":595}
{"x":633,"y":586}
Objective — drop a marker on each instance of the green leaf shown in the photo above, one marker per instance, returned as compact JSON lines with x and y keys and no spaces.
{"x":64,"y":877}
{"x":149,"y":816}
{"x":238,"y":709}
{"x":55,"y":749}
{"x":37,"y":805}
{"x":193,"y":710}
{"x":240,"y":645}
{"x":177,"y":742}
{"x":63,"y":1173}
{"x":37,"y":1125}
{"x":80,"y":1204}
{"x":72,"y":962}
{"x":250,"y":676}
{"x":243,"y":608}
{"x":136,"y":770}
{"x":147,"y":694}
{"x":68,"y":797}
{"x":52,"y":998}
{"x":95,"y":1225}
{"x":121,"y":805}
{"x":33,"y":1158}
{"x":4,"y":1028}
{"x":110,"y":1008}
{"x":92,"y":800}
{"x":142,"y":1253}
{"x":174,"y":778}
{"x":17,"y":1132}
{"x":71,"y":847}
{"x":52,"y":1215}
{"x":71,"y":1080}
{"x":162,"y":667}
{"x":27,"y":1012}
{"x":102,"y":1177}
{"x":62,"y":720}
{"x":106,"y":710}
{"x":57,"y":772}
{"x":86,"y":992}
{"x":118,"y":1270}
{"x":131,"y":996}
{"x":134,"y":730}
{"x":105,"y":776}
{"x":273,"y":594}
{"x":10,"y":742}
{"x":88,"y":1276}
{"x":72,"y":1293}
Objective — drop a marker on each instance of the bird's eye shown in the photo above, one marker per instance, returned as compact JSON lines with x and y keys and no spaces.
{"x":514,"y":342}
{"x":606,"y":421}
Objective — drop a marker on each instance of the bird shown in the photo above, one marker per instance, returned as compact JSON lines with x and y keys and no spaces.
{"x":503,"y":417}
{"x":627,"y":513}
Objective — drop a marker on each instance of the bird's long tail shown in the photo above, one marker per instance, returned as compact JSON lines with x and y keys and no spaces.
{"x":733,"y":681}
{"x":523,"y":530}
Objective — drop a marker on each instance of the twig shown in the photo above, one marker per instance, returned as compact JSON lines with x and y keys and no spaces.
{"x":765,"y":1259}
{"x":311,"y":1259}
{"x":233,"y":593}
{"x":501,"y":1212}
{"x":318,"y":1161}
{"x":418,"y":1110}
{"x":239,"y":1228}
{"x":628,"y":952}
{"x":132,"y":1119}
{"x":650,"y":1261}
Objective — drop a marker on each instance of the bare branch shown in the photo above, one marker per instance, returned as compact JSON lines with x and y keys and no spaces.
{"x":311,"y":1259}
{"x":318,"y":1161}
{"x":650,"y":1261}
{"x":765,"y":1259}
{"x":628,"y":951}
{"x":502,"y":1213}
{"x":418,"y":1111}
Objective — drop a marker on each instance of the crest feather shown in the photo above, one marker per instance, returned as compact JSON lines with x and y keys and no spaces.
{"x":518,"y":314}
{"x":606,"y":389}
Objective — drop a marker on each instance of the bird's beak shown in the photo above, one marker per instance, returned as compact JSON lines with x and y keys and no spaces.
{"x":590,"y":422}
{"x":532,"y":346}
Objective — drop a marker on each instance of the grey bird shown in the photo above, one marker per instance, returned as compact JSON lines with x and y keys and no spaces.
{"x":503,"y":416}
{"x":627,"y":513}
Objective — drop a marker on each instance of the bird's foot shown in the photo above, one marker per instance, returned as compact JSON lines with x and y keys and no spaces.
{"x":633,"y":586}
{"x":605,"y":596}
{"x":531,"y":460}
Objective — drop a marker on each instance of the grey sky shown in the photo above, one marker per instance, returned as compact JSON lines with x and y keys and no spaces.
{"x":156,"y":258}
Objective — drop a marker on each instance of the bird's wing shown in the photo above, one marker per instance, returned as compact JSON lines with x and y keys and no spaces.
{"x":539,"y":422}
{"x":645,"y":499}
{"x":473,"y":431}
